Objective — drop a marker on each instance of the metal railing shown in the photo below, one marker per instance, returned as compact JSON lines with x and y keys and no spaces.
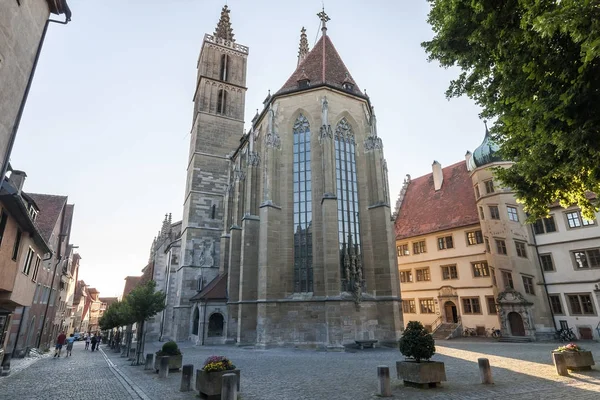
{"x":436,"y":324}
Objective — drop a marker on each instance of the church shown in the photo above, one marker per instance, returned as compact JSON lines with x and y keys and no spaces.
{"x":287,"y":236}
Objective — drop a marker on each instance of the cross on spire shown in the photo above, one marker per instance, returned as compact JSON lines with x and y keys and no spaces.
{"x":224,"y":29}
{"x":324,"y":18}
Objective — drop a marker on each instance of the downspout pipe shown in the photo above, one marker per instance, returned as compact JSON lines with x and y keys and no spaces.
{"x":13,"y":134}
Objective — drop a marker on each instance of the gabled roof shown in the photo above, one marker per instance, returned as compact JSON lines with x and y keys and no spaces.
{"x":425,"y":211}
{"x":50,"y":208}
{"x":108,"y":300}
{"x":322,"y":66}
{"x":130,"y":283}
{"x":215,"y":290}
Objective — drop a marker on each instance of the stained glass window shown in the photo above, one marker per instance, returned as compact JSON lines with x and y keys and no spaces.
{"x":303,"y":273}
{"x":347,"y":200}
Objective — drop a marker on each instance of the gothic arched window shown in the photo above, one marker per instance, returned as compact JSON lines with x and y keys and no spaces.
{"x":222,"y":102}
{"x":224,"y":67}
{"x":303,"y":272}
{"x":347,"y":202}
{"x":196,"y":322}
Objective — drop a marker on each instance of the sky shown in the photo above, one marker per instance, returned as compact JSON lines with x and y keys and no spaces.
{"x":109,"y":114}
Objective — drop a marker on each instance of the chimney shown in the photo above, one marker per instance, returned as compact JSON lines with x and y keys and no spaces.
{"x":17,"y":178}
{"x":438,"y":175}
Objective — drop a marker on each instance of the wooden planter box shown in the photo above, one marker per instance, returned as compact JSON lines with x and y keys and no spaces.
{"x":175,"y":362}
{"x":424,"y":374}
{"x":578,"y":360}
{"x":209,"y":383}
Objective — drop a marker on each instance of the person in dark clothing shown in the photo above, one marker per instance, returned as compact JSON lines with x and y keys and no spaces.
{"x":94,"y":342}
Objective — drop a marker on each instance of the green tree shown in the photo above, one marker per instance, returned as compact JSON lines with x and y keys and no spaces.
{"x":416,"y":342}
{"x":144,"y":302}
{"x":533,"y":66}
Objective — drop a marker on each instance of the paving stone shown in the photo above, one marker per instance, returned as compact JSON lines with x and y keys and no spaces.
{"x":83,"y":376}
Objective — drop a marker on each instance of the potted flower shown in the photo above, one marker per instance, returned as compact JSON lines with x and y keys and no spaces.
{"x":576,"y":357}
{"x":418,"y":346}
{"x":209,"y":378}
{"x":171,"y":350}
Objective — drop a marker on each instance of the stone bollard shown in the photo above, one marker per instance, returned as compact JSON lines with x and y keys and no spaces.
{"x":485,"y":371}
{"x":131,"y":354}
{"x":5,"y":365}
{"x":149,"y":361}
{"x":383,"y":377}
{"x":229,"y":388}
{"x":187,"y":373}
{"x":163,"y":368}
{"x":560,"y":363}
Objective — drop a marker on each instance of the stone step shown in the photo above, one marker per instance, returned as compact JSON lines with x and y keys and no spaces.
{"x":515,"y":339}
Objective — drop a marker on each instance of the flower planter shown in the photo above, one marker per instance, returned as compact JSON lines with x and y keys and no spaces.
{"x":209,"y":383}
{"x":175,"y":362}
{"x":423,"y":374}
{"x":578,"y":360}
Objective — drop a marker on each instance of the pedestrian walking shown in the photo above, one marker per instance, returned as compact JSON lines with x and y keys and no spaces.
{"x":60,"y":341}
{"x":70,"y":341}
{"x":94,"y":342}
{"x":87,"y":342}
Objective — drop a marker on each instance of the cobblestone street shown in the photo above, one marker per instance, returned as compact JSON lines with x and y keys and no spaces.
{"x":522,"y":370}
{"x":83,"y":376}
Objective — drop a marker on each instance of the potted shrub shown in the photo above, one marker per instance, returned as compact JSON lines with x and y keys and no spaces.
{"x":171,"y":350}
{"x":576,"y":357}
{"x":418,"y":346}
{"x":209,"y":378}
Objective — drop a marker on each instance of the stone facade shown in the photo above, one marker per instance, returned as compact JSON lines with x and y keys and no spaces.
{"x":344,"y":289}
{"x":242,"y":236}
{"x":22,"y":30}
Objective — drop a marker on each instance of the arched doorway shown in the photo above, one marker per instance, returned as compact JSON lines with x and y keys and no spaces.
{"x":516,"y":324}
{"x":215,"y":325}
{"x":196,"y":321}
{"x":451,"y":312}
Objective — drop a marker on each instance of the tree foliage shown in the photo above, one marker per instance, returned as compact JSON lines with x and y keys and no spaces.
{"x":116,"y":315}
{"x":416,"y":342}
{"x":144,"y":302}
{"x":534,"y":66}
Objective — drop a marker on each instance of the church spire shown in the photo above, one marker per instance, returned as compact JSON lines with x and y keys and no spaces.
{"x":324,"y":18}
{"x":303,"y":51}
{"x":224,"y":29}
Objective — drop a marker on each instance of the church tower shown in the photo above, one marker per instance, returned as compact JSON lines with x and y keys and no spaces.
{"x":217,"y":126}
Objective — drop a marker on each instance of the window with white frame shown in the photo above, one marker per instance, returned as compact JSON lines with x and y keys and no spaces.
{"x":586,"y":259}
{"x":28,"y":260}
{"x":575,"y":220}
{"x":513,"y":214}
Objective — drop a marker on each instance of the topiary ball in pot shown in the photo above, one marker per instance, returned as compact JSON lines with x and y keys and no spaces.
{"x":169,"y":349}
{"x":416,"y":342}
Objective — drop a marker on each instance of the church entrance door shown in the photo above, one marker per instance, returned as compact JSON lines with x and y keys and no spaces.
{"x":516,"y":324}
{"x":451,"y":312}
{"x":215,"y":325}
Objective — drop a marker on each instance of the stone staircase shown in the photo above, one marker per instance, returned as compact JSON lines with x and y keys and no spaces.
{"x":444,"y":331}
{"x":515,"y":339}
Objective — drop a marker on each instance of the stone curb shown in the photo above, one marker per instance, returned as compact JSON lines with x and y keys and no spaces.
{"x":134,"y":390}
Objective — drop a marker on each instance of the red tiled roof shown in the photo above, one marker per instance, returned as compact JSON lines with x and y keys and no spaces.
{"x":130,"y":283}
{"x":424,"y":210}
{"x":108,"y":300}
{"x":50,"y":208}
{"x":323,"y":65}
{"x":215,"y":290}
